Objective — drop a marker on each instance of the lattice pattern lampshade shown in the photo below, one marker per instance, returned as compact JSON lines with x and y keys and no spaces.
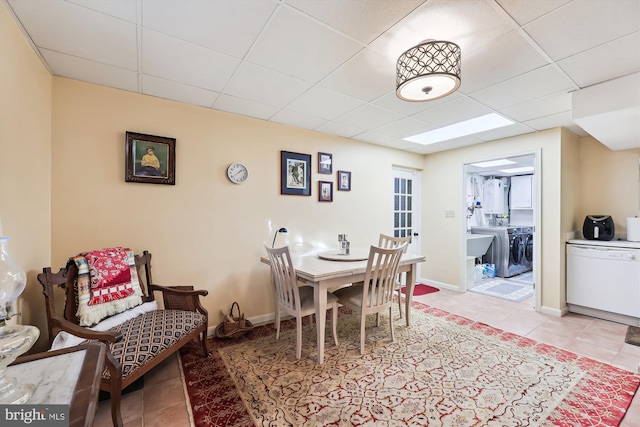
{"x":428,"y":71}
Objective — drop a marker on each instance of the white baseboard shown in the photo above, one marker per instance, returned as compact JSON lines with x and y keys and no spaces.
{"x":554,"y":311}
{"x":440,"y":285}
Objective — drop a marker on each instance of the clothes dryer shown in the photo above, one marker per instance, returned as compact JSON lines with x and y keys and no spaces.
{"x":507,"y":251}
{"x":516,"y":263}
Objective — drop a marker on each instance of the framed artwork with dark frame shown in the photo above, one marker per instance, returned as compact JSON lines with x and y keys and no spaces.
{"x":344,"y":181}
{"x":150,"y":159}
{"x":325,"y":163}
{"x":325,"y":191}
{"x":295,"y":173}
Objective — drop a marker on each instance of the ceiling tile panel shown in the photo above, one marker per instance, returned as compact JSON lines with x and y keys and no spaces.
{"x":551,"y":121}
{"x":266,"y":86}
{"x":366,"y":76}
{"x":245,"y":107}
{"x":404,"y":128}
{"x":524,"y":12}
{"x":339,"y":129}
{"x":452,"y":112}
{"x":584,"y":24}
{"x":539,"y":107}
{"x":296,"y":119}
{"x":324,"y":103}
{"x":212,"y":24}
{"x":173,"y":59}
{"x":87,"y":34}
{"x":374,"y":137}
{"x":534,"y":84}
{"x":362,"y":20}
{"x":443,"y":20}
{"x":296,"y":45}
{"x":503,"y":59}
{"x":368,"y":116}
{"x":121,"y":9}
{"x":177,"y":91}
{"x":391,"y":102}
{"x":504,"y":132}
{"x":90,"y":71}
{"x":615,"y":59}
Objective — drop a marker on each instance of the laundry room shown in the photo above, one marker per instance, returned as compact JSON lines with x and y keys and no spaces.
{"x":500,"y":207}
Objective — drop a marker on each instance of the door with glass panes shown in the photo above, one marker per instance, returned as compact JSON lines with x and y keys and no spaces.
{"x":406,"y":202}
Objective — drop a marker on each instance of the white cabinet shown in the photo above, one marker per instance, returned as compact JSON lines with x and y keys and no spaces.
{"x":522,"y":192}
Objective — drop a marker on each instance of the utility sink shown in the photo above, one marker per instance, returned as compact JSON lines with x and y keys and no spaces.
{"x":478,"y":244}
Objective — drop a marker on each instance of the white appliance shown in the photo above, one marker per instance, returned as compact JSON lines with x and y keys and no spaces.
{"x":508,"y":250}
{"x":603,"y":279}
{"x":493,"y":191}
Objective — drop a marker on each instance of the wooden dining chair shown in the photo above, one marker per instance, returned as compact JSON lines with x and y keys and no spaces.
{"x":375,"y":294}
{"x":297,"y":301}
{"x":387,"y":242}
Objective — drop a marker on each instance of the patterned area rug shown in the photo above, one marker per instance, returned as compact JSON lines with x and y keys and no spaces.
{"x":500,"y":288}
{"x":445,"y":370}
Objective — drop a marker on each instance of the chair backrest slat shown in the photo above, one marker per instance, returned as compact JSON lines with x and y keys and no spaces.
{"x":380,"y":278}
{"x":284,"y":277}
{"x":388,"y":242}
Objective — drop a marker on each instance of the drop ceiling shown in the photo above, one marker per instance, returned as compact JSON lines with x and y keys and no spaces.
{"x":329,"y":66}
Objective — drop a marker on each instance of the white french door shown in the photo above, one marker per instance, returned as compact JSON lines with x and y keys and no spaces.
{"x":406,"y":204}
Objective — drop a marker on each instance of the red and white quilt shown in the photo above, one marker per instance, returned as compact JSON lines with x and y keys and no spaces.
{"x":107,"y":284}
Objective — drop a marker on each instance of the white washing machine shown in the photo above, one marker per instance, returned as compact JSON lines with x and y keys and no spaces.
{"x":507,"y":251}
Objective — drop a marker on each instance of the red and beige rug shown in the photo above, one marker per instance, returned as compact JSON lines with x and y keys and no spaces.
{"x":420,"y":289}
{"x":444,"y":370}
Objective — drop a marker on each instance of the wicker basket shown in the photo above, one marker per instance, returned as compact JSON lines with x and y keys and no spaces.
{"x":234,"y":325}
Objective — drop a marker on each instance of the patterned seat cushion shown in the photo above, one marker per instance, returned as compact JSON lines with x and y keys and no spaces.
{"x":149,"y":334}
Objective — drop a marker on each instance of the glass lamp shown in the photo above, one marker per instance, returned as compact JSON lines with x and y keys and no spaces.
{"x":14,"y":339}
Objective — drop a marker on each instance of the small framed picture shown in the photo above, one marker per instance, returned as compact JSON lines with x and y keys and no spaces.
{"x":295,"y":173}
{"x":150,"y":159}
{"x":344,"y":181}
{"x":325,"y":191}
{"x":325,"y":163}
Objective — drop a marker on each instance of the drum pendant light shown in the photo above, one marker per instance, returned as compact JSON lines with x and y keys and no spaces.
{"x":428,"y":71}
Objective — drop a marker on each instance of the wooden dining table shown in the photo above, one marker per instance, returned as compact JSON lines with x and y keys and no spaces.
{"x":327,"y":270}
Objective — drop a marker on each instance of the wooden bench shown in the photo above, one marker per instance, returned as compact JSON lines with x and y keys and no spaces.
{"x":132,"y":349}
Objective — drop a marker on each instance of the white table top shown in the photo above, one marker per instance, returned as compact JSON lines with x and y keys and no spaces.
{"x":355,"y":254}
{"x":314,"y":269}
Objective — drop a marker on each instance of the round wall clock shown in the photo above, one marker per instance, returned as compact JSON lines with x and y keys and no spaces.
{"x":237,"y":173}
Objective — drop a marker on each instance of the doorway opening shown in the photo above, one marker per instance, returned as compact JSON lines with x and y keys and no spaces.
{"x":500,"y":227}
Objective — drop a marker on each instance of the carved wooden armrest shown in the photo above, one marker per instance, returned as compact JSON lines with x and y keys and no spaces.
{"x":181,"y":297}
{"x":82,"y":332}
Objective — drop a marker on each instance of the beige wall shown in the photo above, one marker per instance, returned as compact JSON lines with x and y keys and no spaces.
{"x":204,"y":230}
{"x":25,"y":162}
{"x":609,"y":183}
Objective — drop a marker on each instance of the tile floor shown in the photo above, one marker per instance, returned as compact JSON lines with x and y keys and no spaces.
{"x":162,"y":400}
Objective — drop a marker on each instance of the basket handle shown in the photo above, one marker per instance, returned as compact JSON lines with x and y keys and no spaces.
{"x":235,"y":304}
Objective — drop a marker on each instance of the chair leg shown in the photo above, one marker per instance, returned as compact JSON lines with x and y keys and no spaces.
{"x":205,"y":348}
{"x":363,"y":320}
{"x":393,"y":337}
{"x":277,"y":323}
{"x":298,"y":337}
{"x":334,"y":322}
{"x":400,"y":299}
{"x":115,"y":388}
